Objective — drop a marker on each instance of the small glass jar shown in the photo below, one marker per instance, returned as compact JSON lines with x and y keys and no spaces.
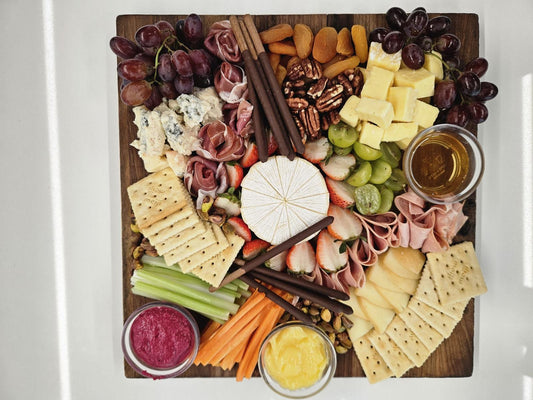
{"x":152,"y":320}
{"x":325,"y":375}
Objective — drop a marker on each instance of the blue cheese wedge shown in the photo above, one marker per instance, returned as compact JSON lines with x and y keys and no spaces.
{"x":151,"y":136}
{"x":191,"y":107}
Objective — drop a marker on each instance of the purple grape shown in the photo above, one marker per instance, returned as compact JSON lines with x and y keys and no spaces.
{"x":396,"y":17}
{"x":469,"y":84}
{"x":166,"y":29}
{"x":145,"y":58}
{"x":200,"y":62}
{"x":150,"y":51}
{"x":179,"y":30}
{"x":135,"y":93}
{"x":182,"y":63}
{"x":134,"y":69}
{"x":452,"y":60}
{"x":419,"y":9}
{"x":445,"y":94}
{"x":377,"y":35}
{"x":438,"y":25}
{"x":416,"y":23}
{"x":203,"y":81}
{"x":425,"y":42}
{"x":448,"y":44}
{"x":477,"y":112}
{"x":154,"y":100}
{"x":184,"y":84}
{"x":168,"y":90}
{"x":457,"y":115}
{"x":393,"y":42}
{"x":193,"y":30}
{"x":124,"y":48}
{"x":413,"y":56}
{"x":165,"y":69}
{"x":488,"y":91}
{"x":478,"y":66}
{"x":148,"y":36}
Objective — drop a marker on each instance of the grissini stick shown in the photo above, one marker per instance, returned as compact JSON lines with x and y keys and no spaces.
{"x":257,"y":120}
{"x":274,"y":85}
{"x":286,"y":245}
{"x":294,"y":311}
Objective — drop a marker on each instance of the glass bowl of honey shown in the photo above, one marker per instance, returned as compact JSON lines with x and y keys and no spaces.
{"x":444,"y":164}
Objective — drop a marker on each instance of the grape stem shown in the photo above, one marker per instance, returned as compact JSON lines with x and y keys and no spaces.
{"x":170,"y":50}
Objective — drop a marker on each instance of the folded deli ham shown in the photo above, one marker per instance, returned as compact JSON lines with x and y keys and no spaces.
{"x":430,"y":230}
{"x":221,"y":42}
{"x":239,"y":117}
{"x":205,"y":178}
{"x":230,"y":82}
{"x":220,"y":143}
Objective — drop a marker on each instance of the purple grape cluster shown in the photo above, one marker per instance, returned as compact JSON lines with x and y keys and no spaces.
{"x":461,"y":96}
{"x":163,"y":61}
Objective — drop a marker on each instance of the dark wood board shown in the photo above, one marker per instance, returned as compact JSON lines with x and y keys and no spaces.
{"x":454,"y":358}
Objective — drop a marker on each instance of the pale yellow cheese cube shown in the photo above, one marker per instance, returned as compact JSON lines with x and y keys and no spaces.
{"x":378,"y":58}
{"x":380,"y":112}
{"x":378,"y":83}
{"x":399,"y":131}
{"x":364,"y":71}
{"x":425,"y":114}
{"x":421,"y":80}
{"x":370,"y":134}
{"x":403,"y":101}
{"x":347,"y":113}
{"x":402,"y":144}
{"x":433,"y":63}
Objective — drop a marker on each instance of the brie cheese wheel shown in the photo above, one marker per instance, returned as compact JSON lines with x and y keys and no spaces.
{"x":280,"y":198}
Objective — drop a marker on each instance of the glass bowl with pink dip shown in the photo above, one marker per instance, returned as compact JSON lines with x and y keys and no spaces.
{"x":160,"y":340}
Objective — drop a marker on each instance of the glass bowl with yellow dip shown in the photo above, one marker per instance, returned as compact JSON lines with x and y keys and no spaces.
{"x":297,"y":360}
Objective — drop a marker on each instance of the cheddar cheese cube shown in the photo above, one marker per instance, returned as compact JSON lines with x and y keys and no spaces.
{"x":425,"y":114}
{"x":347,"y":113}
{"x":380,"y":112}
{"x":378,"y":83}
{"x":378,"y":58}
{"x":399,"y":131}
{"x":421,"y":80}
{"x":370,"y":134}
{"x":433,"y":63}
{"x":403,"y":100}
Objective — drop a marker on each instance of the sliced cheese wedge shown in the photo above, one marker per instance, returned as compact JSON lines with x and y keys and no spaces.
{"x":369,"y":292}
{"x":360,"y":327}
{"x":397,"y":300}
{"x":380,"y":317}
{"x":381,"y":276}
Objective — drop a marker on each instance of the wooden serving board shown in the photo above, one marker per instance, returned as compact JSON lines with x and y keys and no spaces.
{"x":454,"y":358}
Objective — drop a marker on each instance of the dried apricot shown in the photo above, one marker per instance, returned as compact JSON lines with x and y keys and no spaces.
{"x":274,"y":60}
{"x":276,"y":33}
{"x":281,"y":73}
{"x":360,"y":42}
{"x":284,"y":47}
{"x":325,"y":44}
{"x":344,"y":42}
{"x":303,"y":40}
{"x":339,"y":67}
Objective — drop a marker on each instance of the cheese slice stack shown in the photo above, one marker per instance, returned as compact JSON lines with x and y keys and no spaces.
{"x":280,"y":198}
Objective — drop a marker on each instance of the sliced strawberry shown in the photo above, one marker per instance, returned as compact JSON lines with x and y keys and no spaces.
{"x":338,"y":167}
{"x":345,"y":225}
{"x":253,"y":248}
{"x":317,"y":150}
{"x":301,"y":258}
{"x":328,"y":253}
{"x":230,"y":203}
{"x":240,"y":228}
{"x":340,"y":193}
{"x":235,"y":174}
{"x":251,"y":155}
{"x":272,"y":145}
{"x":277,"y":262}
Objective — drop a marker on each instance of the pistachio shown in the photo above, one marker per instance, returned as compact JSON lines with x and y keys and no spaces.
{"x":307,"y":302}
{"x":138,"y":252}
{"x":337,"y":323}
{"x":305,"y":310}
{"x":345,"y":341}
{"x":134,"y":228}
{"x":325,"y":314}
{"x":346,"y":321}
{"x":326,"y":327}
{"x":332,"y":337}
{"x":315,"y":318}
{"x":314,"y":311}
{"x":341,"y":350}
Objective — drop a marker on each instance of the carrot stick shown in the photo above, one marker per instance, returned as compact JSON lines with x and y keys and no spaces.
{"x":210,"y":329}
{"x":235,"y":355}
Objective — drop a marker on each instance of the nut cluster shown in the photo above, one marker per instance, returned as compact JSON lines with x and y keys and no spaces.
{"x":334,"y":325}
{"x":315,"y":100}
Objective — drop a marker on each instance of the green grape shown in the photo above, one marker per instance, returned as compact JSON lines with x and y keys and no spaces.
{"x":391,"y":153}
{"x":361,"y":175}
{"x":397,"y":180}
{"x":342,"y":151}
{"x":342,"y":135}
{"x":367,"y":199}
{"x":387,"y":196}
{"x":381,"y":171}
{"x":365,"y":152}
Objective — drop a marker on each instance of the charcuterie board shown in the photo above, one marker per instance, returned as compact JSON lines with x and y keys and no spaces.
{"x":454,"y":358}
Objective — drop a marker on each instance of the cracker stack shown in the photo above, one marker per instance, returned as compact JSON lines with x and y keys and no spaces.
{"x":449,"y":280}
{"x":166,"y":215}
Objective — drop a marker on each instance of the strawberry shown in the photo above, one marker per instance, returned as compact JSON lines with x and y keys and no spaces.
{"x":340,"y":193}
{"x":301,"y":258}
{"x":251,"y":155}
{"x":230,"y":203}
{"x":235,"y":174}
{"x":253,"y":248}
{"x":338,"y":167}
{"x":328,"y":253}
{"x":317,"y":150}
{"x":277,"y":263}
{"x":240,"y":228}
{"x":272,"y":145}
{"x":345,"y":225}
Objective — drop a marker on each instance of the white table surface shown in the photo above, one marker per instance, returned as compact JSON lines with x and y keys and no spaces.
{"x":60,"y":251}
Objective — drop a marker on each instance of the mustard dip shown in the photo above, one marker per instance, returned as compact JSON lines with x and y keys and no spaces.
{"x":296,"y":357}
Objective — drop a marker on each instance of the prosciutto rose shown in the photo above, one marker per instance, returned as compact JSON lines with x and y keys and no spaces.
{"x":221,"y":42}
{"x":239,"y":117}
{"x":231,"y":83}
{"x":220,"y":143}
{"x":205,"y":178}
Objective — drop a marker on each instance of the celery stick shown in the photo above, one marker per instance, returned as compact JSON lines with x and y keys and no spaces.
{"x":240,"y":284}
{"x":159,"y":262}
{"x":147,"y":290}
{"x":164,"y":283}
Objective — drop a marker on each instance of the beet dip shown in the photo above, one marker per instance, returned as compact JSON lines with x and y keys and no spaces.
{"x":161,"y":337}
